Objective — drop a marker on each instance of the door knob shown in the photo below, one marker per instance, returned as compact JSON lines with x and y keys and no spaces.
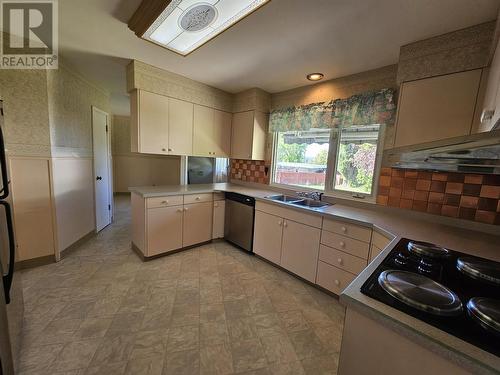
{"x":98,"y":178}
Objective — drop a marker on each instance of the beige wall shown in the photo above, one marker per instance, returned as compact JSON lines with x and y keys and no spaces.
{"x":131,"y":169}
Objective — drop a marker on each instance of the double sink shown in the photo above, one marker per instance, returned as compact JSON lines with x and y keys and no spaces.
{"x":297,"y":201}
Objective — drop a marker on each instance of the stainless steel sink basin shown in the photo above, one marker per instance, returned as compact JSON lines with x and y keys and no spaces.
{"x":285,"y":198}
{"x":311,"y":203}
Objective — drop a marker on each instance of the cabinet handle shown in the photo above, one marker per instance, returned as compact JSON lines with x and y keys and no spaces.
{"x":179,"y":210}
{"x":170,"y":149}
{"x":198,"y":198}
{"x":185,"y":209}
{"x":342,"y":244}
{"x":285,"y":223}
{"x":344,"y":229}
{"x":339,"y":260}
{"x":164,"y":202}
{"x":163,"y":149}
{"x":337,"y":282}
{"x":279,"y":222}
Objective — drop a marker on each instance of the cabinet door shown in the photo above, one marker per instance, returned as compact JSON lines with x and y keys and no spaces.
{"x":180,"y":127}
{"x":219,"y":217}
{"x":164,"y":229}
{"x":437,"y":108}
{"x":203,"y":143}
{"x":300,"y":249}
{"x":242,"y":135}
{"x":267,"y":236}
{"x":153,"y":123}
{"x":197,"y":223}
{"x":222,"y":133}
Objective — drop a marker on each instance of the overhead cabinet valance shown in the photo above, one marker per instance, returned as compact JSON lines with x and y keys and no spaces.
{"x":376,"y":107}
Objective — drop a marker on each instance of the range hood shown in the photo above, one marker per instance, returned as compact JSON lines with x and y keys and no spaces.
{"x":479,"y":153}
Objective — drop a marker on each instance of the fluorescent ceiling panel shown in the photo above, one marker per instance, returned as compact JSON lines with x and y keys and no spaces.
{"x":185,"y":25}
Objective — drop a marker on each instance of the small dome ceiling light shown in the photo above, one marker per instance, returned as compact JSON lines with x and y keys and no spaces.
{"x":315,"y":76}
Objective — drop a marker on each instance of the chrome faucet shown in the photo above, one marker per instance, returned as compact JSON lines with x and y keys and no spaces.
{"x":315,"y":195}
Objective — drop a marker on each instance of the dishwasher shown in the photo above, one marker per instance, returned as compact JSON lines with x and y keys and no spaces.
{"x":239,"y":220}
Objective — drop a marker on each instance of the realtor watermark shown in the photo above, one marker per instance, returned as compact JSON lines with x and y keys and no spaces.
{"x":29,"y":34}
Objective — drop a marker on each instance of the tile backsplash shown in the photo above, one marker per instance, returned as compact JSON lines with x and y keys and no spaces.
{"x":466,"y":196}
{"x":250,"y":171}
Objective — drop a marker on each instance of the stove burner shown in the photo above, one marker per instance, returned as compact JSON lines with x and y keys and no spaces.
{"x":420,"y":292}
{"x":486,"y":312}
{"x":480,"y":269}
{"x":425,"y":249}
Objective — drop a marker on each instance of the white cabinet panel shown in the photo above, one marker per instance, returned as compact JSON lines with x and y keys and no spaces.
{"x":267,"y":236}
{"x":218,"y":221}
{"x":180,"y":127}
{"x":197,"y":226}
{"x":164,"y":229}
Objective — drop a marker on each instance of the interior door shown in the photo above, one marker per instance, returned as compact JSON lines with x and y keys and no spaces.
{"x":102,"y":169}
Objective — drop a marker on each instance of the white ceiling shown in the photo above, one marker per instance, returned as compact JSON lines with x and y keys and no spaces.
{"x":273,"y":49}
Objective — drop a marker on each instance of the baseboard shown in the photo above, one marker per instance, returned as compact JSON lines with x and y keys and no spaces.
{"x":35,"y":262}
{"x":75,"y":245}
{"x":121,"y":193}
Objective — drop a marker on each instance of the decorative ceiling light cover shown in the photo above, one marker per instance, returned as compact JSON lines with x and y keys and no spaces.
{"x":184,"y":25}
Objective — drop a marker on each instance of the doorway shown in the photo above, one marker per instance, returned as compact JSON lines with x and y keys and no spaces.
{"x":102,"y":168}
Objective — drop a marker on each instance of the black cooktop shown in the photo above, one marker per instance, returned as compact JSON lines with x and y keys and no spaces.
{"x":443,"y":288}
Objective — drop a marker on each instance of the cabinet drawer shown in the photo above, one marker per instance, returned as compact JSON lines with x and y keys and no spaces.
{"x":198,"y":198}
{"x":350,"y":230}
{"x":332,"y":278}
{"x":219,"y":196}
{"x":345,"y":244}
{"x":156,"y":202}
{"x":380,"y":240}
{"x":341,"y":260}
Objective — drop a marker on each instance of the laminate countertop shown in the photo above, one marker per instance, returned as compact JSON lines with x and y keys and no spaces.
{"x":396,"y":225}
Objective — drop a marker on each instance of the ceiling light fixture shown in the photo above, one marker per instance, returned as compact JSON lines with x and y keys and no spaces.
{"x":315,"y":76}
{"x":185,"y":25}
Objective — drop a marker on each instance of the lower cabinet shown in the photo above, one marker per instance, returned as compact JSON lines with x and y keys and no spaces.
{"x":164,"y":231}
{"x":197,"y":226}
{"x":218,"y":219}
{"x":332,"y":278}
{"x":300,"y":248}
{"x":268,"y":232}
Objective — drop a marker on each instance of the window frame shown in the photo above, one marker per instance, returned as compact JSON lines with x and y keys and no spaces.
{"x":331,"y":167}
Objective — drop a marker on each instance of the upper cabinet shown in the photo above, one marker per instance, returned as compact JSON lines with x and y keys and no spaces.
{"x":211,"y":132}
{"x":248,"y":139}
{"x":168,"y":126}
{"x":437,"y":108}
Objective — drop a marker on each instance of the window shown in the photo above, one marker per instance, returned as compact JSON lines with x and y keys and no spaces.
{"x":301,"y":158}
{"x":308,"y":158}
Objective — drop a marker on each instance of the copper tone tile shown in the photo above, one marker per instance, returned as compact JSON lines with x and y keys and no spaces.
{"x":487,"y":204}
{"x":382,"y":200}
{"x":421,"y":196}
{"x":405,"y":203}
{"x":456,"y":177}
{"x":436,"y":197}
{"x":408,"y":194}
{"x":397,"y":173}
{"x":467,"y":213}
{"x":397,"y":182}
{"x":383,"y":190}
{"x":434,"y":208}
{"x":487,"y":217}
{"x":491,"y":179}
{"x":410,"y":184}
{"x":419,"y":206}
{"x":439,"y":176}
{"x":385,"y":181}
{"x":438,"y":186}
{"x":424,"y":185}
{"x":393,"y":201}
{"x":498,"y":206}
{"x":395,"y":192}
{"x":425,"y":175}
{"x":452,"y":200}
{"x":385,"y":171}
{"x":469,"y":202}
{"x":450,"y":211}
{"x":411,"y":174}
{"x":472,"y":190}
{"x":489,"y":191}
{"x":473,"y":179}
{"x":454,"y":187}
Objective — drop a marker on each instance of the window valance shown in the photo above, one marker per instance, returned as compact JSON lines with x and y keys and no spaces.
{"x":376,"y":107}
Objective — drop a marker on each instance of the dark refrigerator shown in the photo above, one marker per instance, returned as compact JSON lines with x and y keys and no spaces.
{"x":11,"y":298}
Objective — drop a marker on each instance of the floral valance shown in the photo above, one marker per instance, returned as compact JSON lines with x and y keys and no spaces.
{"x":376,"y":107}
